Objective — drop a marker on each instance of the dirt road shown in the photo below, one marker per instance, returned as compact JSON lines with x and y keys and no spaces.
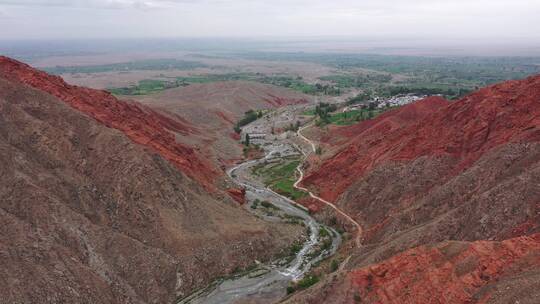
{"x":358,"y":238}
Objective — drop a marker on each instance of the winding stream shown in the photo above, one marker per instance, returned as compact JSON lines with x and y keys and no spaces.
{"x":268,"y":282}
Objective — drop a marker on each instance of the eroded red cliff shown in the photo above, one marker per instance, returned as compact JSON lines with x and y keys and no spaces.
{"x":450,"y":272}
{"x":238,"y":195}
{"x":140,"y":123}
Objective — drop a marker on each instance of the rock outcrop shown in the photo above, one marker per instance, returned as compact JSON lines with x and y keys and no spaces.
{"x":453,"y":272}
{"x":238,"y":195}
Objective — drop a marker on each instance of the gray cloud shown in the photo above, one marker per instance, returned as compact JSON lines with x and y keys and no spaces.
{"x":469,"y":19}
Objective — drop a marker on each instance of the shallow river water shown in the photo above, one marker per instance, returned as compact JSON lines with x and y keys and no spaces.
{"x":268,"y":282}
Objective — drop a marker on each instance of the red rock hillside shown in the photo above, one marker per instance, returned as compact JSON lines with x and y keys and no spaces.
{"x":452,"y":272}
{"x":465,"y":129}
{"x":239,"y":195}
{"x":140,"y":123}
{"x":449,"y":202}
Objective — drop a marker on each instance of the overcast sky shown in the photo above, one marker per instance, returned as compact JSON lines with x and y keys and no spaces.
{"x":467,"y":19}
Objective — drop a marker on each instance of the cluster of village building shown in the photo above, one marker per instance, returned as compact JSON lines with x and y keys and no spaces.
{"x":398,"y":100}
{"x":394,"y":101}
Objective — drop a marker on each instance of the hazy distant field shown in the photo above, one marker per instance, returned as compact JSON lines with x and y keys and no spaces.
{"x":325,"y":74}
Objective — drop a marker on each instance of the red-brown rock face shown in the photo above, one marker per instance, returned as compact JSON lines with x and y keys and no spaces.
{"x":449,"y":272}
{"x":466,"y":129}
{"x":238,"y":195}
{"x":443,"y":163}
{"x":466,"y":171}
{"x":141,"y":124}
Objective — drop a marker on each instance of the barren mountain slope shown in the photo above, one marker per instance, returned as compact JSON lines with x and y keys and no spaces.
{"x":90,"y":214}
{"x":469,"y":171}
{"x":141,"y":124}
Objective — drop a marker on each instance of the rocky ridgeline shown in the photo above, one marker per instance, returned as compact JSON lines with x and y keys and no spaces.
{"x":140,"y":123}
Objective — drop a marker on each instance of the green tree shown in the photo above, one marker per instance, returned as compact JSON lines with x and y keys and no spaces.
{"x":308,"y":281}
{"x":334,"y":265}
{"x":290,"y":289}
{"x":246,"y":142}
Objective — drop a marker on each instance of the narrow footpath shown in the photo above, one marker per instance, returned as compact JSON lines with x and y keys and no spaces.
{"x":358,"y":239}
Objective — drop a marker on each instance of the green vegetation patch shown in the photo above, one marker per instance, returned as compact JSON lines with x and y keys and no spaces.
{"x":423,"y":89}
{"x":293,"y":83}
{"x":323,"y":232}
{"x":144,"y":87}
{"x":323,"y":110}
{"x":452,"y":76}
{"x":334,"y":265}
{"x":354,"y":116}
{"x":266,"y":207}
{"x":326,"y":116}
{"x":286,"y":187}
{"x":149,"y":86}
{"x":281,"y":177}
{"x":216,"y":77}
{"x":310,"y":112}
{"x":295,"y":249}
{"x":141,"y":65}
{"x":297,"y":84}
{"x":358,"y":80}
{"x":308,"y":281}
{"x":304,"y":283}
{"x":249,"y":117}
